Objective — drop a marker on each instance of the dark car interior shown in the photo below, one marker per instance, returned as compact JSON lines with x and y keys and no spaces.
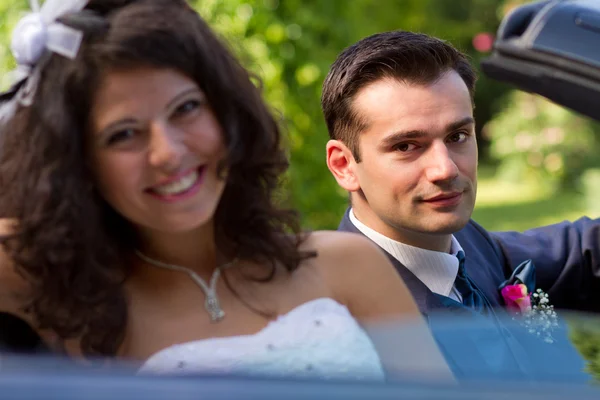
{"x":17,"y":337}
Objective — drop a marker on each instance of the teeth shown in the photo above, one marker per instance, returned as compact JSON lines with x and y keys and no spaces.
{"x":178,"y":186}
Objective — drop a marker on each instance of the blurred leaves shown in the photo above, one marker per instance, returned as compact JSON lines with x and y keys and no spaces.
{"x":533,"y":136}
{"x":290,"y":45}
{"x":10,"y":13}
{"x":585,"y":336}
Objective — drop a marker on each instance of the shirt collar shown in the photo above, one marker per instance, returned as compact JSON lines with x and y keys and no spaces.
{"x":437,"y":270}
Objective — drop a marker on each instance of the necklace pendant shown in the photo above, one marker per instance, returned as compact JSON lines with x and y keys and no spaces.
{"x":213,"y":308}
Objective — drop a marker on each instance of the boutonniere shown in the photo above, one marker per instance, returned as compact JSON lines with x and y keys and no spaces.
{"x":531,"y":305}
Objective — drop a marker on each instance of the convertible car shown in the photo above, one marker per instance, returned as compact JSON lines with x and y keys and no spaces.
{"x":551,"y":48}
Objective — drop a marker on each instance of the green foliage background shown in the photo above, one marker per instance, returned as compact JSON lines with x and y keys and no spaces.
{"x":584,"y":333}
{"x":290,"y":44}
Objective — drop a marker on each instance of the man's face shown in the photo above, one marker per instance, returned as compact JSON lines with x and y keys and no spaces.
{"x":417,"y":173}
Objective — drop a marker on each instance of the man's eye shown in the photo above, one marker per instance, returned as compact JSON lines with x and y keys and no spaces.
{"x":404,"y":147}
{"x":458,"y":137}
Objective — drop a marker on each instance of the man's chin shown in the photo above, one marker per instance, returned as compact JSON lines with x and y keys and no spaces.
{"x":446,"y":226}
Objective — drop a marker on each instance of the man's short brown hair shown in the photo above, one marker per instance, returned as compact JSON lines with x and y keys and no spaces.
{"x":406,"y":56}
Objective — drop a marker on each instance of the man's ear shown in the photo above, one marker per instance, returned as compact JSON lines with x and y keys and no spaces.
{"x":342,"y":165}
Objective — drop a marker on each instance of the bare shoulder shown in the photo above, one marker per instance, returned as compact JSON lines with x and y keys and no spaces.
{"x":341,"y":249}
{"x":11,"y":282}
{"x":360,"y":275}
{"x":343,"y":255}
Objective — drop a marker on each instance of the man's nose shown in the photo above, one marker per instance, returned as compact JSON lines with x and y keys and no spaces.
{"x":440,"y":165}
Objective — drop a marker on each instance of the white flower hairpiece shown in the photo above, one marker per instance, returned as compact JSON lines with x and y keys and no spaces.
{"x":34,"y":35}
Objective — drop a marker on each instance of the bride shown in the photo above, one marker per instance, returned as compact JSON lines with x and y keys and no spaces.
{"x":138,"y":168}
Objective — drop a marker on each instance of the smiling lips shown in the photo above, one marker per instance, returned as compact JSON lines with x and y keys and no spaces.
{"x":445,"y":199}
{"x":179,"y":187}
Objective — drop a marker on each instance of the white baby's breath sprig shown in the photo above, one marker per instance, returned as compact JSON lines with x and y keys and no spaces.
{"x":541,"y":319}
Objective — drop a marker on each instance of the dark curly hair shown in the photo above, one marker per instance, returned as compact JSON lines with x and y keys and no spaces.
{"x":68,"y":243}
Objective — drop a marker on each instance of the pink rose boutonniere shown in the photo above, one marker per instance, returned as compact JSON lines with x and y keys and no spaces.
{"x":538,"y":315}
{"x":517,"y":298}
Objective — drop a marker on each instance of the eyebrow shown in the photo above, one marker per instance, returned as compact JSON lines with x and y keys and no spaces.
{"x":399,"y":136}
{"x":113,"y":125}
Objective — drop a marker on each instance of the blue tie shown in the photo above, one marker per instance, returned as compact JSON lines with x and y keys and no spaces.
{"x":471,"y":296}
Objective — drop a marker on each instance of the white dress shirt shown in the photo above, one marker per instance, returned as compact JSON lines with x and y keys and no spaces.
{"x":437,"y":270}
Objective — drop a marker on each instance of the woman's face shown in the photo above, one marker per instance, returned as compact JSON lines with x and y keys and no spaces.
{"x":155,"y":145}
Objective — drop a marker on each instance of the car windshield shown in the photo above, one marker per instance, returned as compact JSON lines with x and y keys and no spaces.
{"x":489,"y":363}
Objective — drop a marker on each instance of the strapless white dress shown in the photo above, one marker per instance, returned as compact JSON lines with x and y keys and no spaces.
{"x":317,"y":340}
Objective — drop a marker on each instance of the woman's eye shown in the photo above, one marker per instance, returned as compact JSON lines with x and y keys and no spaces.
{"x":187,"y":107}
{"x":121,"y":136}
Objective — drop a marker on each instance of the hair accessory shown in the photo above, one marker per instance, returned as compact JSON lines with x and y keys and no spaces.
{"x":34,"y":35}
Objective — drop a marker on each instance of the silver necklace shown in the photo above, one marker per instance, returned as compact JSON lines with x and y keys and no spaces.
{"x":211,"y":303}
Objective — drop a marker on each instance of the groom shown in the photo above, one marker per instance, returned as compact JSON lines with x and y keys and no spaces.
{"x":399,"y":110}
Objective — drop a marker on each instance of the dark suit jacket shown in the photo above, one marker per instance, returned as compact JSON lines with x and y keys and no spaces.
{"x":567,"y":261}
{"x":566,"y":257}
